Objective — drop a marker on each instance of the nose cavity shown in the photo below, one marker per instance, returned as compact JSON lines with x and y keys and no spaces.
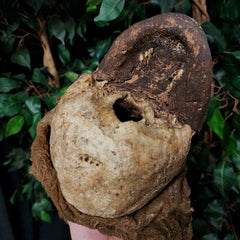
{"x":125,"y":110}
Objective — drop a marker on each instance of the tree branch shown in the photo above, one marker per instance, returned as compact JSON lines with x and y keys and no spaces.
{"x":199,"y":10}
{"x":47,"y":54}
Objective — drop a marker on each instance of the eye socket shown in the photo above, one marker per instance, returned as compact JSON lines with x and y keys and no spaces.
{"x":126,"y":111}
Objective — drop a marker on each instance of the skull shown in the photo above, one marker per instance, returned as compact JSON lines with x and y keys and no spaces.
{"x":119,"y":137}
{"x":110,"y":164}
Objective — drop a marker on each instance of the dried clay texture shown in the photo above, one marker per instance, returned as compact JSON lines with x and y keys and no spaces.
{"x":112,"y":153}
{"x":110,"y":168}
{"x":166,"y":61}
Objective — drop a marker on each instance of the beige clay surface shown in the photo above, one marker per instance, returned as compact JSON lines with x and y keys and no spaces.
{"x":110,"y":168}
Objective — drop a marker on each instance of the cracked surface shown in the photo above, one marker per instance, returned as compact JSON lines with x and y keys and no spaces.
{"x":107,"y":167}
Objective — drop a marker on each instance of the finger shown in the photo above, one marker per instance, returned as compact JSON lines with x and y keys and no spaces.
{"x":79,"y":232}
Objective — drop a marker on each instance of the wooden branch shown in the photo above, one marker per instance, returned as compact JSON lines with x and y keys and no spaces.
{"x":47,"y":54}
{"x":199,"y":10}
{"x":176,"y":5}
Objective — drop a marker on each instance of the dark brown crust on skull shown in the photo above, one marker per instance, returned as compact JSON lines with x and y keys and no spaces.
{"x":167,"y":216}
{"x":171,"y":42}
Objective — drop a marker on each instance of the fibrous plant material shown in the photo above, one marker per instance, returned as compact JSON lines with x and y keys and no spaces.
{"x":112,"y":153}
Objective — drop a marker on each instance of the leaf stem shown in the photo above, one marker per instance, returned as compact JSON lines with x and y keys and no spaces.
{"x":21,"y":30}
{"x":116,"y":3}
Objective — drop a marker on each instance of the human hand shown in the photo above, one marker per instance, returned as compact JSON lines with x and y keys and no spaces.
{"x":79,"y":232}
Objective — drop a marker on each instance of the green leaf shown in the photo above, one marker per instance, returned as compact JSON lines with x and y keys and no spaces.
{"x":214,"y":104}
{"x":27,"y":118}
{"x":230,"y":10}
{"x":110,"y":10}
{"x":38,"y":188}
{"x":56,"y":27}
{"x":217,"y":123}
{"x":39,"y":77}
{"x":36,"y":5}
{"x":27,"y":187}
{"x":63,"y":90}
{"x":224,"y":178}
{"x":22,"y":57}
{"x":40,"y":209}
{"x":236,"y":83}
{"x":214,"y":212}
{"x":13,"y":26}
{"x":45,"y":216}
{"x":31,"y":22}
{"x":64,"y":54}
{"x":236,"y":54}
{"x":77,"y":66}
{"x":238,"y":180}
{"x":72,"y":76}
{"x":2,"y":130}
{"x":210,"y":236}
{"x":232,"y":75}
{"x":21,"y":96}
{"x":33,"y":104}
{"x":93,"y":64}
{"x":9,"y":105}
{"x":6,"y":41}
{"x":20,"y":76}
{"x":230,"y":146}
{"x":100,"y":49}
{"x":93,"y":2}
{"x":14,"y":125}
{"x":50,"y":102}
{"x":102,"y":24}
{"x":17,"y":159}
{"x":184,"y":8}
{"x":214,"y":36}
{"x":86,"y":71}
{"x":33,"y":129}
{"x":232,"y":85}
{"x":216,"y":208}
{"x":231,"y":65}
{"x":236,"y":159}
{"x":70,"y":27}
{"x":81,"y":30}
{"x":91,"y":9}
{"x":13,"y":196}
{"x":7,"y":74}
{"x":92,"y":6}
{"x":7,"y":84}
{"x":229,"y":236}
{"x":166,"y":5}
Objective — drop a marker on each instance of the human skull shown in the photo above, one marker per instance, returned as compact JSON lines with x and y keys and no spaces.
{"x":119,"y":137}
{"x":107,"y":167}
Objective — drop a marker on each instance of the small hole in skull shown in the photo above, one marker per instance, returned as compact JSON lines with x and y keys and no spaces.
{"x":126,"y":111}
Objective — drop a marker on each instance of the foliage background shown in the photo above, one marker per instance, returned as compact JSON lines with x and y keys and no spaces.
{"x":45,"y":45}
